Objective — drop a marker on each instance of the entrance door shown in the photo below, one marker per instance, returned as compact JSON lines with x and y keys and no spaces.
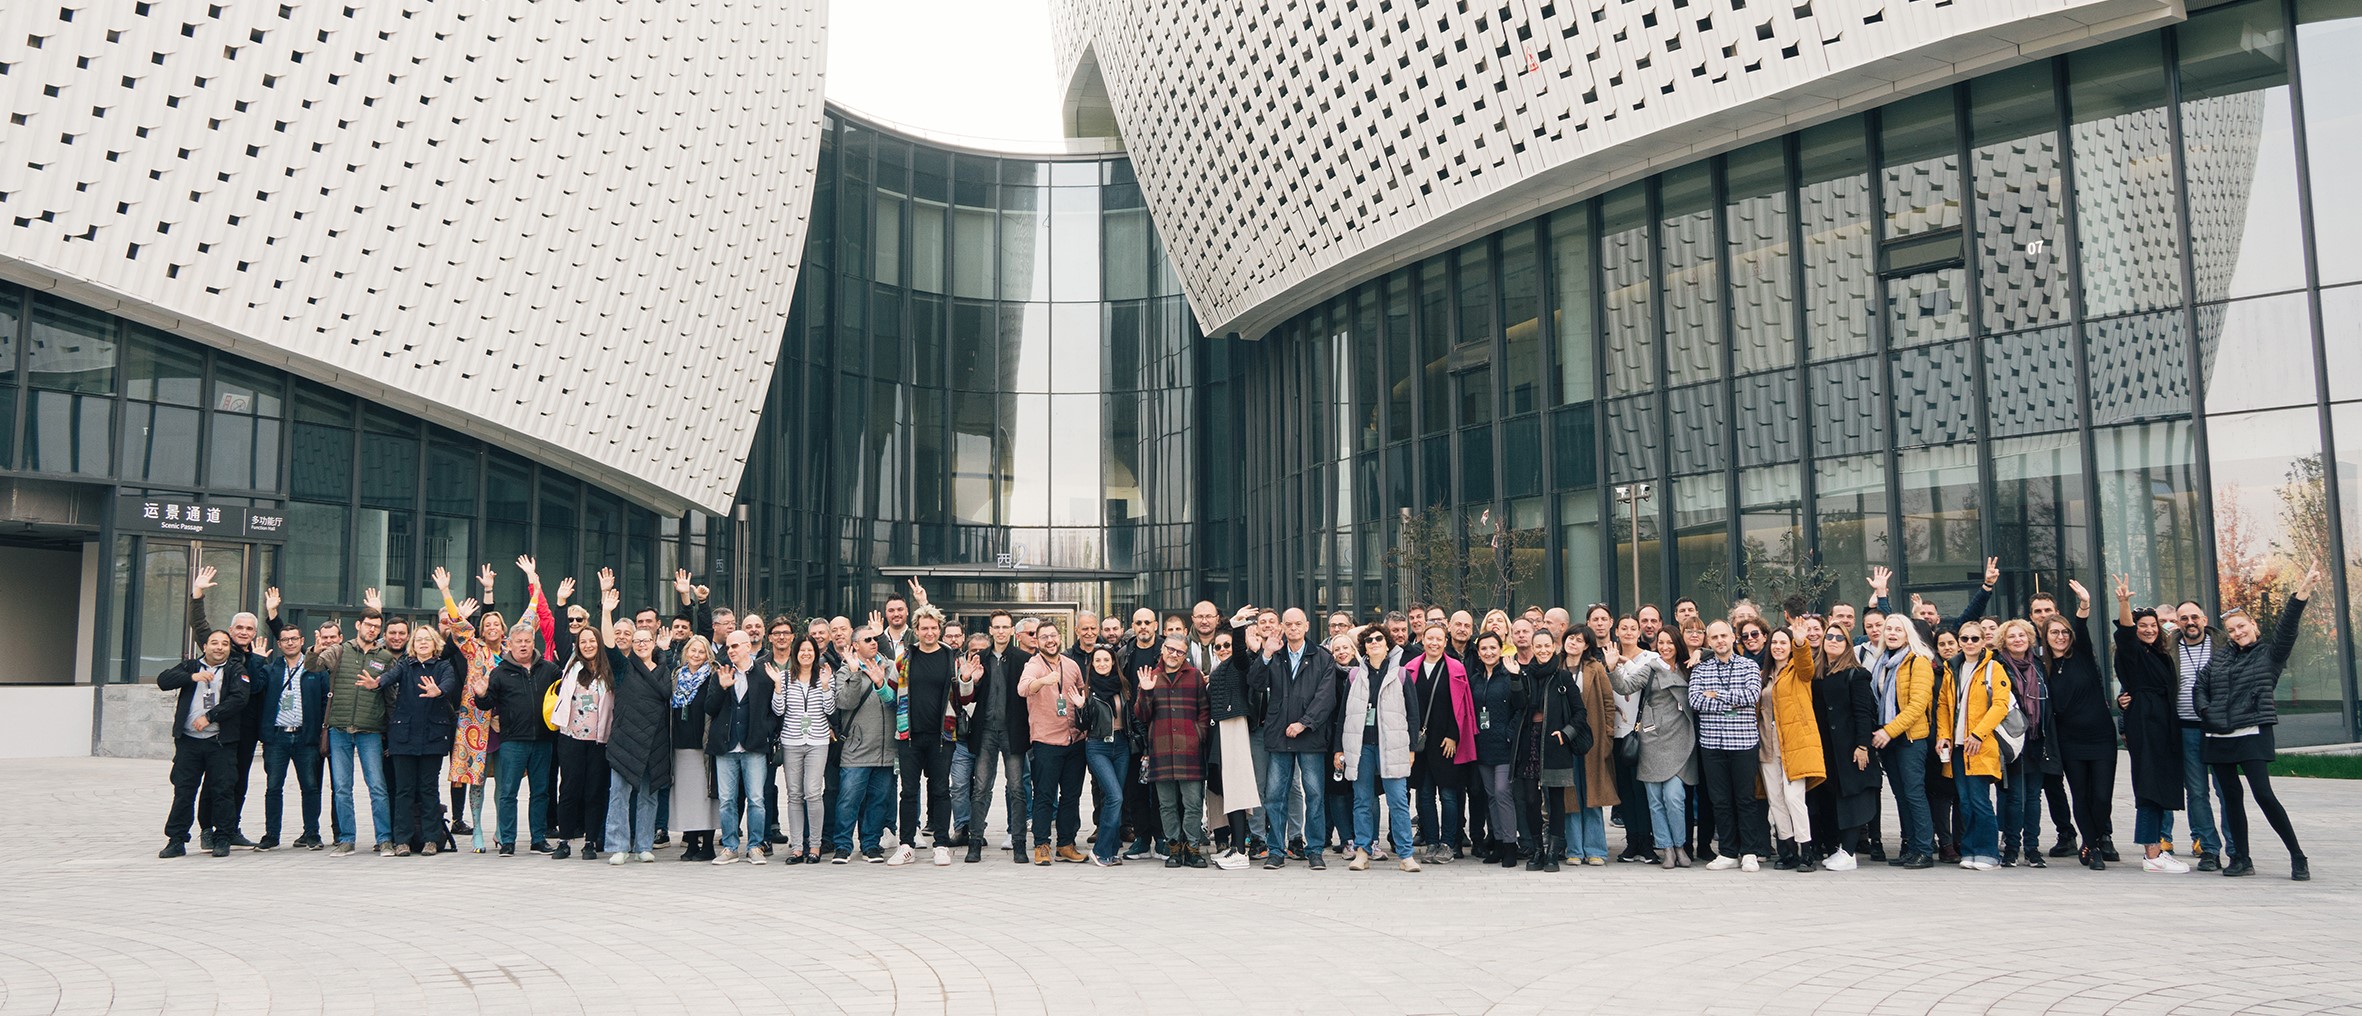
{"x":978,"y":616}
{"x":166,"y":566}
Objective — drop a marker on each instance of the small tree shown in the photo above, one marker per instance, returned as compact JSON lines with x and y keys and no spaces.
{"x":1505,"y":558}
{"x":1787,"y":579}
{"x":1427,"y":553}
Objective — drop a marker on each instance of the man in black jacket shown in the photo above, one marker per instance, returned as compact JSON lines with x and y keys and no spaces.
{"x":998,"y":738}
{"x":212,"y":701}
{"x":739,"y":729}
{"x":513,"y":691}
{"x":1301,"y":680}
{"x":927,"y":669}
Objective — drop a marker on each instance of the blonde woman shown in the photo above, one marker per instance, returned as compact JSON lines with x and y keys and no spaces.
{"x":1791,"y":750}
{"x":695,"y":814}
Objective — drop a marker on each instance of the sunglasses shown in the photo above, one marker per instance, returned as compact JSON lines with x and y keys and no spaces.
{"x":1221,"y":645}
{"x":1752,"y":636}
{"x":868,"y":638}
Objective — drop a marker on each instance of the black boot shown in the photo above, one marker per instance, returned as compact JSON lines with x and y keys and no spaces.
{"x":1552,"y":849}
{"x":1808,"y":857}
{"x":1787,"y":856}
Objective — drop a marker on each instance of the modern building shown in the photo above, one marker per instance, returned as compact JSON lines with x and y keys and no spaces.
{"x":1596,"y":302}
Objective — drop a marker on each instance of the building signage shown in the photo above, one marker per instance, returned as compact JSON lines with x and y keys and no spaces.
{"x":199,"y":518}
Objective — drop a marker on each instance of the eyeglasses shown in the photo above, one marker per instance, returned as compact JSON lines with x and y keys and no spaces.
{"x":1221,"y":645}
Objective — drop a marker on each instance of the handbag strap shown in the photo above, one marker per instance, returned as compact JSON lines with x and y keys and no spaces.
{"x":1427,"y":715}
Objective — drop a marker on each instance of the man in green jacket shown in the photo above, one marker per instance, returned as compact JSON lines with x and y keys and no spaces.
{"x":356,"y":724}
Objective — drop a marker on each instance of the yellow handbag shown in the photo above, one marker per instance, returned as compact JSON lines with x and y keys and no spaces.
{"x":549,"y":706}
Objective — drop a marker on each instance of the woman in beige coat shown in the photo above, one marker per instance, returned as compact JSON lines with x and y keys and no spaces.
{"x":1595,"y":771}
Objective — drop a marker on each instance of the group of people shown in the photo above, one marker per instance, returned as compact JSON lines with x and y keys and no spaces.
{"x":1421,"y":736}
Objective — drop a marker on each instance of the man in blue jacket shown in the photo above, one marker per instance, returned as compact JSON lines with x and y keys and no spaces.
{"x":293,"y":702}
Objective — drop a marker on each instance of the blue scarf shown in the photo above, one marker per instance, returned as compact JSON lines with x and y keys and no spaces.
{"x":686,"y":682}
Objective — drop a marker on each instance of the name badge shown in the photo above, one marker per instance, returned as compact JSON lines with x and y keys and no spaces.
{"x":1369,"y":717}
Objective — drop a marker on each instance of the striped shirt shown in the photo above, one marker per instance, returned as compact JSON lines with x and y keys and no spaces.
{"x":1726,"y":721}
{"x":2194,"y":657}
{"x":803,"y":709}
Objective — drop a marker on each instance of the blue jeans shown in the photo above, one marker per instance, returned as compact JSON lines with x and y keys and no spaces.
{"x":369,"y":746}
{"x":963,"y":775}
{"x":2151,"y":826}
{"x":1978,"y":837}
{"x":1280,"y":776}
{"x":1057,"y":794}
{"x":2020,"y":816}
{"x":1906,"y":761}
{"x":631,"y":817}
{"x":1667,"y":819}
{"x":864,"y":795}
{"x":1586,"y":831}
{"x":278,"y":750}
{"x":2194,"y":787}
{"x":740,"y":775}
{"x":1109,"y":762}
{"x":517,"y":759}
{"x":1365,"y":806}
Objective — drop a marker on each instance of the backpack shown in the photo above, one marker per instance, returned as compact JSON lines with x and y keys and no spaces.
{"x":2011,"y":733}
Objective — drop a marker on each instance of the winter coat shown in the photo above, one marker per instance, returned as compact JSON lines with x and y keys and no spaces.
{"x":1793,"y":721}
{"x":869,"y":736}
{"x":2235,"y":688}
{"x":1174,"y":713}
{"x":639,"y":740}
{"x":1987,"y":704}
{"x":1668,"y":737}
{"x":350,"y":706}
{"x":1398,"y":715}
{"x":1500,"y":713}
{"x":1596,"y":785}
{"x":1307,"y":696}
{"x":513,"y":696}
{"x":735,"y":722}
{"x":416,"y":724}
{"x":2152,"y":731}
{"x":1563,"y":714}
{"x":2079,"y":699}
{"x":1848,"y":715}
{"x":228,"y":705}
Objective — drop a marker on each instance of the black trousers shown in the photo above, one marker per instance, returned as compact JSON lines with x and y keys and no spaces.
{"x":926,"y":762}
{"x":770,"y":801}
{"x":1541,"y":818}
{"x":201,"y":787}
{"x":1730,"y":774}
{"x":1479,"y":812}
{"x":2259,"y":779}
{"x":418,"y":806}
{"x":1632,"y":807}
{"x":582,"y":791}
{"x":1701,"y":813}
{"x":2062,"y":813}
{"x":1943,"y":805}
{"x":2093,"y":786}
{"x":828,"y":795}
{"x":242,"y":764}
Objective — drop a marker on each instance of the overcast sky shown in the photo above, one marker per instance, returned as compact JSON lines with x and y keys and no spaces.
{"x":975,"y":67}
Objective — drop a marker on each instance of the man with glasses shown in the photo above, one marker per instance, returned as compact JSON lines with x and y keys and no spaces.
{"x":998,"y":737}
{"x":866,"y":789}
{"x":1142,"y":653}
{"x":1174,"y":709}
{"x":2194,"y":646}
{"x":1301,"y":681}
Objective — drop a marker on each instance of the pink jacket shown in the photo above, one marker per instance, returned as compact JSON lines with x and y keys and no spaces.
{"x":1463,"y":701}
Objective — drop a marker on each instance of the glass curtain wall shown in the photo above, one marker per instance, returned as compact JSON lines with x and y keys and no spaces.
{"x":2093,"y":316}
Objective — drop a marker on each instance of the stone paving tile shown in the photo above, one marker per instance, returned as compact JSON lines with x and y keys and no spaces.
{"x":94,"y":923}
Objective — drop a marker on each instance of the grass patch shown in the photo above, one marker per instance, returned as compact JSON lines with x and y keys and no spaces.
{"x":2329,"y":767}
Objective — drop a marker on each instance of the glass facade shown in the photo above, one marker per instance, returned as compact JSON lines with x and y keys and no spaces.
{"x":2095,"y":315}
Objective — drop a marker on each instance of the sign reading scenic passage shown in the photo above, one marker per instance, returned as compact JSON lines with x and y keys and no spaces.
{"x":181,"y":516}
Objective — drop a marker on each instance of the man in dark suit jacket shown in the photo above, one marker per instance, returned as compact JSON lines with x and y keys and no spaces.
{"x":211,"y":704}
{"x":1301,"y":679}
{"x":290,"y":703}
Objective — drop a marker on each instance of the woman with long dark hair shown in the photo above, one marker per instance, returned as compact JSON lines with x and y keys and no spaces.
{"x":1445,"y":740}
{"x":2149,"y":685}
{"x":802,"y":698}
{"x":1594,"y":786}
{"x":1557,"y":733}
{"x":2086,"y":729}
{"x":1848,"y":712}
{"x":1668,"y":739}
{"x":585,"y":713}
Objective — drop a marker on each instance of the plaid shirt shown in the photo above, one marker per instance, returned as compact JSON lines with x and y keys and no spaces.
{"x":1177,"y":714}
{"x":1726,"y":721}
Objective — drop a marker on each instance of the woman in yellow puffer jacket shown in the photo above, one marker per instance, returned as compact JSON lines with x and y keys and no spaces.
{"x":1790,"y":753}
{"x":1969,"y":705}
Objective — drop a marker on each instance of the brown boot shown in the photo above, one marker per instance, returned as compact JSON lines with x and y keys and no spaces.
{"x":1041,"y":855}
{"x":1070,"y":855}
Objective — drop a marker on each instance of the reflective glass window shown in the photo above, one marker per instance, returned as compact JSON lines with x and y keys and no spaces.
{"x":2128,"y":220}
{"x":2239,"y":150}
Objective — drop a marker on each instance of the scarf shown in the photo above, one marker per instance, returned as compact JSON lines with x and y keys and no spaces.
{"x":2026,"y":679}
{"x":1883,"y":671}
{"x":686,"y":682}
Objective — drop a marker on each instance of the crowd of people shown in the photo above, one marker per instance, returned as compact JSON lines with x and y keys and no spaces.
{"x":1420,"y":736}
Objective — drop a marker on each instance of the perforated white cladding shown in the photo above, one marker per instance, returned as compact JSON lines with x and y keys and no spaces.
{"x":1288,"y":148}
{"x":571,"y":228}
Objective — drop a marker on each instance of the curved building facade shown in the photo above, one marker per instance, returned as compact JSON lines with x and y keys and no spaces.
{"x":2098,"y":314}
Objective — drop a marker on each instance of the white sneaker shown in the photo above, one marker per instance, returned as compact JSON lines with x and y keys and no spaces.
{"x":725,"y":857}
{"x":1004,"y":841}
{"x":889,"y":838}
{"x":1750,"y":864}
{"x":902,"y":855}
{"x":754,"y":855}
{"x":943,"y":857}
{"x":1725,"y":862}
{"x":1840,"y":861}
{"x":1231,"y":861}
{"x":1984,"y":864}
{"x":618,"y":858}
{"x":923,"y":840}
{"x":2165,"y":863}
{"x":646,"y":857}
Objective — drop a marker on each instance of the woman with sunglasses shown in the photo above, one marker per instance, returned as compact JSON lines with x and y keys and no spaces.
{"x":1443,"y":743}
{"x":2149,"y":683}
{"x":1375,"y":734}
{"x":1668,"y":738}
{"x":2021,"y":786}
{"x":1234,"y":759}
{"x":2234,"y":700}
{"x":1943,"y":796}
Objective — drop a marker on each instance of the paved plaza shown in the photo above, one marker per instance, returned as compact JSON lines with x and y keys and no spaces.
{"x":93,"y":922}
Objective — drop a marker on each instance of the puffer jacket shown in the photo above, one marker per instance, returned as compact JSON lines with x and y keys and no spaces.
{"x":350,"y":706}
{"x":1986,"y":704}
{"x":2235,"y":688}
{"x":1398,"y":715}
{"x":416,"y":724}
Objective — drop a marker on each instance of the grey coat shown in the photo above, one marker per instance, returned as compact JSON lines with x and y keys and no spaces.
{"x":869,"y":738}
{"x":1668,"y":737}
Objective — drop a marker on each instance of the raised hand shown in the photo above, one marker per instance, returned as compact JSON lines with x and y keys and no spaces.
{"x":609,"y":598}
{"x":702,"y":592}
{"x":467,"y":608}
{"x":681,"y":583}
{"x":2080,"y":592}
{"x":606,"y":579}
{"x":1992,"y":571}
{"x":2123,"y":590}
{"x":442,"y":577}
{"x":565,"y":590}
{"x":877,"y":622}
{"x":484,"y":578}
{"x":201,"y":581}
{"x":270,"y":602}
{"x":427,"y":688}
{"x":918,"y":593}
{"x":369,"y":597}
{"x":525,"y":564}
{"x":2304,"y":586}
{"x":1878,"y":580}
